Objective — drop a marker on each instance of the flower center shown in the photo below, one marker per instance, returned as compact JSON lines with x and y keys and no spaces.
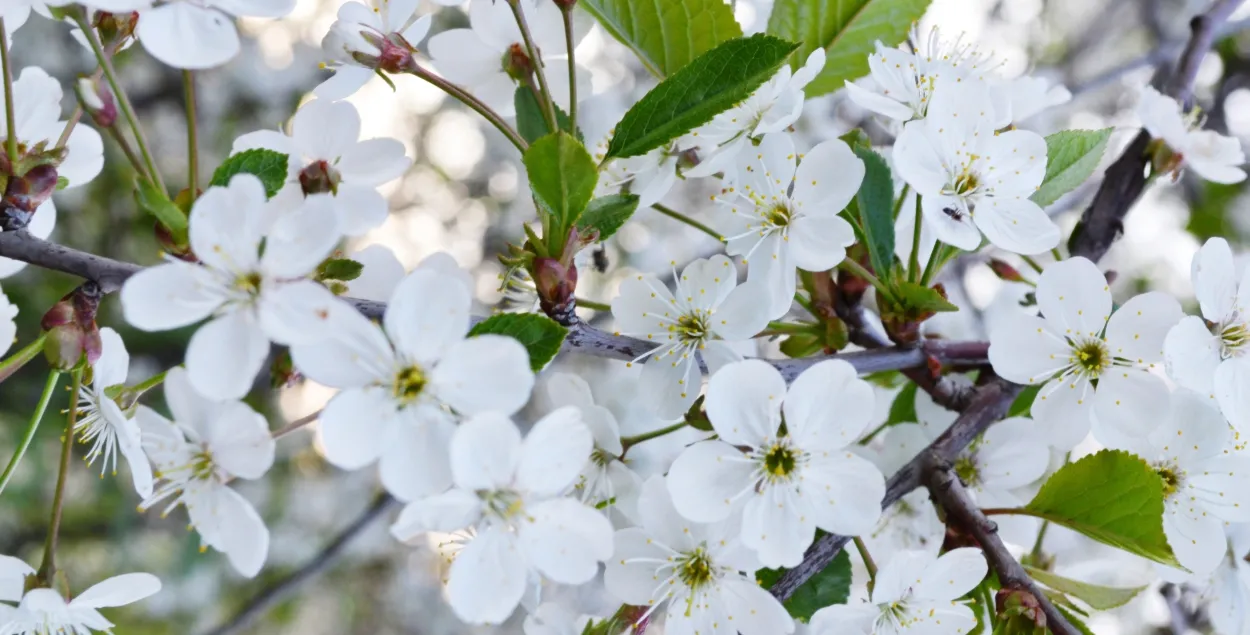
{"x":966,"y":183}
{"x":695,"y":568}
{"x":1171,"y":478}
{"x":409,"y":383}
{"x":502,"y":504}
{"x":779,"y":460}
{"x":1233,"y":337}
{"x":248,"y":283}
{"x":1091,"y":357}
{"x":778,"y":216}
{"x":320,"y":178}
{"x":601,"y":457}
{"x":966,"y":469}
{"x":693,"y":326}
{"x":202,"y":466}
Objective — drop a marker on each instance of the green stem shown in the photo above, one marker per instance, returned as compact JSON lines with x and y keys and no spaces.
{"x":47,"y":570}
{"x":678,"y":216}
{"x":193,"y":135}
{"x":547,"y":102}
{"x":567,"y":10}
{"x":1031,"y":263}
{"x":849,"y":264}
{"x":148,"y":384}
{"x":473,"y":103}
{"x":10,"y":137}
{"x":1055,"y":252}
{"x":629,"y":442}
{"x":30,"y":429}
{"x":117,"y":135}
{"x":868,"y":562}
{"x":123,"y":101}
{"x":583,"y":303}
{"x":913,"y":263}
{"x":17,"y":360}
{"x":936,"y":258}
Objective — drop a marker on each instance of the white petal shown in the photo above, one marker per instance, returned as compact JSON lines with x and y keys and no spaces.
{"x":301,"y":239}
{"x":844,"y":492}
{"x":354,"y":425}
{"x":1230,"y":386}
{"x":227,"y":224}
{"x":661,"y":519}
{"x":566,"y":540}
{"x":487,"y":578}
{"x":485,"y":452}
{"x":1025,"y":350}
{"x":1016,"y":224}
{"x":951,"y":223}
{"x":1127,"y":404}
{"x":777,"y":526}
{"x":743,"y":315}
{"x":744,"y":402}
{"x":166,"y":297}
{"x":707,"y":478}
{"x":483,"y":373}
{"x":953,"y":574}
{"x":238,"y":438}
{"x":241,"y":534}
{"x":359,"y":208}
{"x":1012,"y":454}
{"x":373,"y":162}
{"x":452,"y":510}
{"x":299,"y":312}
{"x":225,"y":355}
{"x":427,"y":314}
{"x":1137,"y":329}
{"x":753,"y":610}
{"x":85,"y":158}
{"x":819,"y":241}
{"x":844,"y":619}
{"x":673,"y":385}
{"x":1064,"y":411}
{"x":553,"y":453}
{"x":186,"y":35}
{"x":1196,"y":539}
{"x":381,"y":274}
{"x":114,"y":363}
{"x":828,"y":406}
{"x":118,"y":591}
{"x":917,"y":159}
{"x":355,"y":353}
{"x":828,"y":178}
{"x":325,"y":130}
{"x":186,"y":404}
{"x":628,"y":576}
{"x":1019,"y":160}
{"x":344,"y":83}
{"x":13,"y":572}
{"x":879,"y":104}
{"x":1074,"y":296}
{"x":416,"y":461}
{"x":1214,"y":278}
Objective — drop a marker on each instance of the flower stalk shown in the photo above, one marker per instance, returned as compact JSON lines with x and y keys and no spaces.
{"x":10,"y":141}
{"x":31,"y":427}
{"x":548,"y":103}
{"x":47,"y":570}
{"x":475,"y":104}
{"x":193,"y":135}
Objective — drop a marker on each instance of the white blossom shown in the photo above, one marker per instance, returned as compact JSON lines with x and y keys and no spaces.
{"x":8,"y":325}
{"x":1210,"y":154}
{"x":406,"y":384}
{"x":1207,"y":353}
{"x":207,"y":444}
{"x":786,"y":484}
{"x":380,"y":274}
{"x":782,"y":215}
{"x":1029,"y":96}
{"x":41,"y":611}
{"x":972,"y":180}
{"x":701,"y":575}
{"x":1077,"y":341}
{"x":101,"y":420}
{"x":326,"y":156}
{"x":1225,"y":594}
{"x":378,"y":18}
{"x":194,"y":34}
{"x":508,"y":493}
{"x":910,"y":524}
{"x":914,"y":592}
{"x":707,"y":312}
{"x":253,"y":298}
{"x":649,"y":175}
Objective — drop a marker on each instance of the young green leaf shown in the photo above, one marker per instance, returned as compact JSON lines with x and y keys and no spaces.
{"x":1071,"y":157}
{"x":1097,"y":596}
{"x":832,"y":585}
{"x":540,"y":335}
{"x":875,"y":201}
{"x":919,"y":299}
{"x":709,"y":85}
{"x":1113,"y":497}
{"x":342,"y":269}
{"x":607,"y":214}
{"x":269,"y":166}
{"x":1023,"y":404}
{"x":562,"y":177}
{"x":1075,"y":621}
{"x":903,"y":408}
{"x":666,"y":34}
{"x":847,"y":30}
{"x":530,"y":122}
{"x":153,"y":201}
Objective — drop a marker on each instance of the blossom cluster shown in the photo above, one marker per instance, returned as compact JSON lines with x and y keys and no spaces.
{"x":743,"y":460}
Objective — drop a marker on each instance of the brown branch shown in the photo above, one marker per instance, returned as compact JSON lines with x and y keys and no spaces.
{"x":949,"y":492}
{"x":582,"y":338}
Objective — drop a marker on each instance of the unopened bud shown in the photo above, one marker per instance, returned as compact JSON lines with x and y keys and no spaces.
{"x":319,"y":178}
{"x":72,"y":332}
{"x":517,"y":63}
{"x":555,"y":283}
{"x":1019,"y":612}
{"x":115,"y":28}
{"x":1163,"y":159}
{"x":1005,"y":271}
{"x":24,"y":194}
{"x":96,"y":101}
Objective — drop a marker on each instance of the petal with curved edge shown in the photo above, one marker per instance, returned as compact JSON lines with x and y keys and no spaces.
{"x":380,"y":276}
{"x":819,"y":241}
{"x":416,"y":461}
{"x":828,"y":178}
{"x":553,"y":453}
{"x":1026,"y":350}
{"x":672,"y":383}
{"x":1232,"y":377}
{"x":1127,"y":404}
{"x":628,"y":575}
{"x":1016,"y":224}
{"x":1063,"y":410}
{"x":1019,"y":160}
{"x":953,"y":574}
{"x":844,"y":493}
{"x":483,"y":373}
{"x":1214,"y":277}
{"x":130,"y":444}
{"x":302,"y":238}
{"x":1191,"y":353}
{"x":487,"y":578}
{"x":485,"y":452}
{"x":777,"y":526}
{"x":1137,"y":329}
{"x":452,"y":510}
{"x":711,"y":280}
{"x":373,"y":162}
{"x":229,"y":523}
{"x":168,"y":296}
{"x":844,"y":619}
{"x":239,"y":440}
{"x":1074,"y":296}
{"x":85,"y":157}
{"x":325,"y":130}
{"x":426,"y":315}
{"x":118,"y":590}
{"x":1012,"y":453}
{"x":345,"y":82}
{"x":661,"y":519}
{"x":225,"y":355}
{"x":354,"y":354}
{"x":354,"y":426}
{"x":828,"y":406}
{"x":879,"y":104}
{"x":918,"y":159}
{"x":186,"y":35}
{"x":299,"y":312}
{"x":114,"y":362}
{"x":752,"y":610}
{"x":707,"y":479}
{"x":566,"y":540}
{"x":13,"y":572}
{"x":359,"y":208}
{"x":743,"y":314}
{"x":744,"y":402}
{"x":1196,"y":538}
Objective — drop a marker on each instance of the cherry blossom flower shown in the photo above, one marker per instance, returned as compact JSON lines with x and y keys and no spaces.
{"x":16,"y":12}
{"x":8,"y":325}
{"x":103,"y":423}
{"x":1207,"y":353}
{"x":347,"y":39}
{"x":1078,"y":341}
{"x":782,"y":215}
{"x":403,"y":382}
{"x":789,"y":483}
{"x":253,"y":298}
{"x":194,"y":34}
{"x":972,"y":180}
{"x":1028,"y":96}
{"x":207,"y":444}
{"x":509,"y":492}
{"x":1206,"y":485}
{"x":42,"y":610}
{"x":701,"y":575}
{"x":326,"y":156}
{"x":724,"y":141}
{"x":605,"y":481}
{"x":650,"y":175}
{"x":708,"y":311}
{"x":490,"y":59}
{"x":1225,"y":594}
{"x":1210,"y":154}
{"x":914,"y":592}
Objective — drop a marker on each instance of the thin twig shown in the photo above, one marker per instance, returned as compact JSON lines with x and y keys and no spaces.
{"x":567,"y":10}
{"x":296,"y":425}
{"x":547,"y":101}
{"x":10,"y":137}
{"x":271,"y":596}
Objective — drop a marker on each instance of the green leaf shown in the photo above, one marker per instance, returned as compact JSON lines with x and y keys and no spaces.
{"x":1113,"y":497}
{"x":61,"y":183}
{"x":607,"y":214}
{"x":903,"y":408}
{"x":848,"y":31}
{"x":801,"y":345}
{"x":1097,"y":596}
{"x":530,"y":122}
{"x":268,"y":166}
{"x":343,"y":269}
{"x":875,"y":201}
{"x":666,"y":34}
{"x":1071,"y":156}
{"x":706,"y":87}
{"x":539,"y":334}
{"x":1075,"y":621}
{"x":832,"y":585}
{"x":1023,"y":404}
{"x":154,"y":201}
{"x":562,"y":177}
{"x":921,"y":299}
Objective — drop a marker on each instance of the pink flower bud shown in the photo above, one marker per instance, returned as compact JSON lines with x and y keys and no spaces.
{"x":97,"y":101}
{"x":555,"y":283}
{"x":1005,"y":271}
{"x":72,"y":332}
{"x":24,"y":194}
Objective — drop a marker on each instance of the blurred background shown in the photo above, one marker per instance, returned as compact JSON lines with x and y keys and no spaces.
{"x":466,"y":195}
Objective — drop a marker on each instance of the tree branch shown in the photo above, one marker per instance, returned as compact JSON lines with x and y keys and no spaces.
{"x":271,"y":596}
{"x":949,"y":492}
{"x":582,"y":338}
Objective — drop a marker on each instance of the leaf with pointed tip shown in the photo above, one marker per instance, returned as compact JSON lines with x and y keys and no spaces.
{"x":666,"y":34}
